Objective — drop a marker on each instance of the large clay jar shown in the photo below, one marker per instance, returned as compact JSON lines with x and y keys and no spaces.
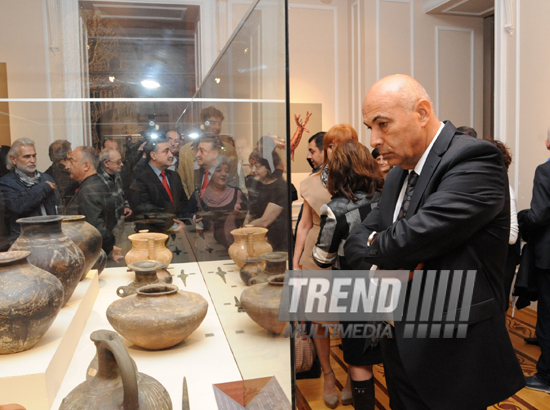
{"x":85,"y":236}
{"x":261,"y":302}
{"x":249,"y":242}
{"x":251,"y":270}
{"x":51,"y":250}
{"x":148,"y":246}
{"x":101,"y":262}
{"x":275,"y":264}
{"x":117,"y":385}
{"x":30,"y":299}
{"x":146,"y":274}
{"x":158,"y":316}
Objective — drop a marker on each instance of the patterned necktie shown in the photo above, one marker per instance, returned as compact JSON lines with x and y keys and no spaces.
{"x":166,"y":186}
{"x":413,"y":177}
{"x":205,"y":182}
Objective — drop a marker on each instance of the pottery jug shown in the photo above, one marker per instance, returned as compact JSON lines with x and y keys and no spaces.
{"x":275,"y":264}
{"x":251,"y":269}
{"x":117,"y":385}
{"x":261,"y":302}
{"x":11,"y":407}
{"x":249,"y":242}
{"x":157,"y":316}
{"x":146,"y":274}
{"x":51,"y":250}
{"x":148,"y":246}
{"x":101,"y":262}
{"x":30,"y":299}
{"x":85,"y":236}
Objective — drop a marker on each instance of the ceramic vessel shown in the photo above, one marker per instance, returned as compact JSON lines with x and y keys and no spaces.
{"x":157,"y":316}
{"x":252,"y":268}
{"x":117,"y":385}
{"x":85,"y":236}
{"x":51,"y":250}
{"x":148,"y":246}
{"x":11,"y":407}
{"x":101,"y":262}
{"x":275,"y":264}
{"x":261,"y":302}
{"x":30,"y":299}
{"x":146,"y":274}
{"x":249,"y":242}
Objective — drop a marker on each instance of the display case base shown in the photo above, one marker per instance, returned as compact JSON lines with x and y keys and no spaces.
{"x":32,"y":378}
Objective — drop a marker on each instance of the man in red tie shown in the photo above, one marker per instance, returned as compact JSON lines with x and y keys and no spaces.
{"x":207,"y":160}
{"x":155,"y":188}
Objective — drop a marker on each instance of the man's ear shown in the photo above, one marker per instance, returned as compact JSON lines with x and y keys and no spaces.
{"x":13,"y":160}
{"x":424,"y":109}
{"x":545,"y":141}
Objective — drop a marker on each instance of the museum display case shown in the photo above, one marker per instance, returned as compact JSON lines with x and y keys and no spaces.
{"x":231,"y":160}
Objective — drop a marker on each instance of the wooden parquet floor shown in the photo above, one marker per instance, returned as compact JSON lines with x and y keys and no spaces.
{"x":309,"y":391}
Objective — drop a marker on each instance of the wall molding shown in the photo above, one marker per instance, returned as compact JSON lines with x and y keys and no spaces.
{"x":336,"y":52}
{"x":518,"y":99}
{"x":378,"y":36}
{"x":438,"y":30}
{"x":356,"y":68}
{"x":448,"y":10}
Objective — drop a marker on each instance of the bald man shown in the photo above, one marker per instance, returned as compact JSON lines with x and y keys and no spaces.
{"x":445,"y":207}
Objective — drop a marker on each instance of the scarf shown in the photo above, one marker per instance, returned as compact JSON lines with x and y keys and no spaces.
{"x":27,"y":180}
{"x":215,"y":201}
{"x":324,"y":175}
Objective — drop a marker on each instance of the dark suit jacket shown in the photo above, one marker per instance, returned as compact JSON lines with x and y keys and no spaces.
{"x":149,"y":195}
{"x":535,"y":221}
{"x":458,"y":219}
{"x":94,"y":200}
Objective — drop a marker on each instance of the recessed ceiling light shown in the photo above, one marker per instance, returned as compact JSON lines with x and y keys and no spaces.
{"x":112,"y":78}
{"x":217,"y":80}
{"x":151,"y":84}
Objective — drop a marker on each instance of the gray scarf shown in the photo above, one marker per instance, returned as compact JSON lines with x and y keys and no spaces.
{"x":27,"y":180}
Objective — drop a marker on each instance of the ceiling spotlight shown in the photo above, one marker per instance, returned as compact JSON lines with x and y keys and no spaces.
{"x":194,"y":135}
{"x":217,"y":80}
{"x":246,"y":50}
{"x":154,"y":136}
{"x":112,"y":78}
{"x":150,"y":84}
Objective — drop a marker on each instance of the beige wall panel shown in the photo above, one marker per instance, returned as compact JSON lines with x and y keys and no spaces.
{"x":23,"y":49}
{"x":395,"y":38}
{"x":313,"y":59}
{"x":454,"y":76}
{"x":534,"y":93}
{"x":237,"y":10}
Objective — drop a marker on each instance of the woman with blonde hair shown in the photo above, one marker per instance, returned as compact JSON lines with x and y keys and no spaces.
{"x":313,"y":190}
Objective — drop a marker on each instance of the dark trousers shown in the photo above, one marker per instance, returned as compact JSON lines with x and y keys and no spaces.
{"x":543,"y":323}
{"x":401,"y":391}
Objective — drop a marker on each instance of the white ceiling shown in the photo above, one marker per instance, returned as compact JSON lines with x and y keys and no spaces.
{"x":470,"y":8}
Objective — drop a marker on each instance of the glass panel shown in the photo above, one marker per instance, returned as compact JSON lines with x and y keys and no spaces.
{"x":112,"y":84}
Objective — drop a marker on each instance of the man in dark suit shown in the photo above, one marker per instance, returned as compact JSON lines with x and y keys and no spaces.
{"x":534,"y":224}
{"x":445,"y":206}
{"x":155,"y":188}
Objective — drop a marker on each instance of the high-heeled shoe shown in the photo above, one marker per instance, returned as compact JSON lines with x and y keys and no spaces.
{"x":346,"y":397}
{"x":330,"y":401}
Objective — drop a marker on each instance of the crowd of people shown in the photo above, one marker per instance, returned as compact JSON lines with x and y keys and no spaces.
{"x":429,"y":197}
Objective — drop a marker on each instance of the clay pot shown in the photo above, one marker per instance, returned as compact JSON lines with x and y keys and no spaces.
{"x":85,"y":236}
{"x":249,"y":242}
{"x":261,"y":302}
{"x":30,"y":299}
{"x":158,"y":316}
{"x":117,"y":385}
{"x":148,"y":246}
{"x":275,"y":264}
{"x":51,"y":250}
{"x":251,"y":269}
{"x":11,"y":407}
{"x":146,"y":274}
{"x":101,"y":262}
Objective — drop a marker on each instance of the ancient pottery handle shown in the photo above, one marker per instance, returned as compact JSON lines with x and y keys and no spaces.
{"x":250,"y":244}
{"x":114,"y":361}
{"x":122,"y":291}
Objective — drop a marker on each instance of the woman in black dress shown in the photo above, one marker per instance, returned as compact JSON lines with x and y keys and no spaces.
{"x":355,"y":182}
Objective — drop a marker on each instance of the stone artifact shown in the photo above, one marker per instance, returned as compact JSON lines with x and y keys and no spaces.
{"x":261,"y":302}
{"x":148,"y":246}
{"x":101,"y":262}
{"x":30,"y":299}
{"x":51,"y":250}
{"x":249,"y":242}
{"x":146,"y":274}
{"x":85,"y":236}
{"x":157,"y":316}
{"x":117,"y":385}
